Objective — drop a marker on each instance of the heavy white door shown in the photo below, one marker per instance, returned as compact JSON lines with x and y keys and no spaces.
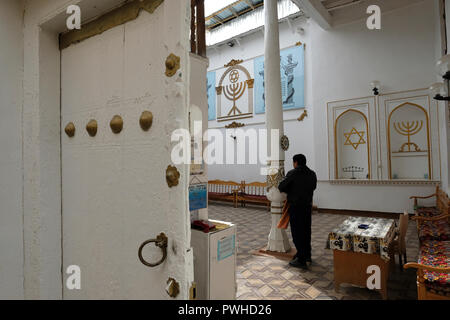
{"x":114,"y":190}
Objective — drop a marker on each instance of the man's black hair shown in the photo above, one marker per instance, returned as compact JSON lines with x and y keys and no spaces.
{"x":300,"y":159}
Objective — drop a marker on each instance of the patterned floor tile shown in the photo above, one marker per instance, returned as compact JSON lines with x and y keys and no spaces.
{"x":266,"y":277}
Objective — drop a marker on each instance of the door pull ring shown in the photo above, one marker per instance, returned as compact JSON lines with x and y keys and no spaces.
{"x":161,"y":242}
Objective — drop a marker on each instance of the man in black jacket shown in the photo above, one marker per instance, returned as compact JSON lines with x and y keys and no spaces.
{"x":299,"y":185}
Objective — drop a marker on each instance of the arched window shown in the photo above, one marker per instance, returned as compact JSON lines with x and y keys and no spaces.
{"x":409,"y":143}
{"x":352,"y":146}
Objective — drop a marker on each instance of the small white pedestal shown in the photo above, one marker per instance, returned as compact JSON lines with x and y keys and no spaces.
{"x":215,"y":262}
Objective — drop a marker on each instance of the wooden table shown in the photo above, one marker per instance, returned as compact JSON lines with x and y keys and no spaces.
{"x":356,"y":249}
{"x":351,"y":268}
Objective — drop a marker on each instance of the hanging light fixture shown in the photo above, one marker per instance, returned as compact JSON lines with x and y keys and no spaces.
{"x":376,"y":85}
{"x":441,"y":90}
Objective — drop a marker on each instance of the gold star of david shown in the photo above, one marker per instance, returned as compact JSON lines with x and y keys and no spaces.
{"x":349,"y":141}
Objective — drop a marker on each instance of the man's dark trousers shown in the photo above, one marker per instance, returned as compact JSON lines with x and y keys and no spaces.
{"x":300,"y":220}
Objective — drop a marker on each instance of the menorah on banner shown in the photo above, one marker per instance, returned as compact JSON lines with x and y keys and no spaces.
{"x":409,"y":129}
{"x":234,"y":91}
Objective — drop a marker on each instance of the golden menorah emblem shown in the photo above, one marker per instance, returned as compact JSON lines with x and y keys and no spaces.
{"x":234,"y":91}
{"x":409,"y":129}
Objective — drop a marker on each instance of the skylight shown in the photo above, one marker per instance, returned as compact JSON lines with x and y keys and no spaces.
{"x":242,"y":18}
{"x":212,"y":6}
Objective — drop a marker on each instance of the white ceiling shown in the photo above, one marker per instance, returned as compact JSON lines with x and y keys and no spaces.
{"x":330,"y":13}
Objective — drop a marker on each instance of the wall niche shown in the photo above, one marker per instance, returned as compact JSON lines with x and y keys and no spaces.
{"x":409,"y":142}
{"x":352,"y":139}
{"x":389,"y":138}
{"x":352,"y":145}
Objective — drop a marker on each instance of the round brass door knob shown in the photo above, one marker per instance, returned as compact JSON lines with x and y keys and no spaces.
{"x":91,"y":128}
{"x":172,"y":65}
{"x":146,"y":120}
{"x":70,"y":130}
{"x":172,"y":176}
{"x":116,"y":124}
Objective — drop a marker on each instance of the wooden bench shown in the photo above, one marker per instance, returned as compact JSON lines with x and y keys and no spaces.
{"x":433,"y":267}
{"x":255,"y":192}
{"x":219,"y":190}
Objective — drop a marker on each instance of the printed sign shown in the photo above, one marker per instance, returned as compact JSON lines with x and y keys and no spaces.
{"x":198,"y":197}
{"x":225,"y":247}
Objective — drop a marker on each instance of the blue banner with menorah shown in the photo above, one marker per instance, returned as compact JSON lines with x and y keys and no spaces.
{"x":292,"y":79}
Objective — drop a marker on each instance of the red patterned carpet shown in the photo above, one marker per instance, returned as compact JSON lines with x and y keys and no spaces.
{"x":264,"y":277}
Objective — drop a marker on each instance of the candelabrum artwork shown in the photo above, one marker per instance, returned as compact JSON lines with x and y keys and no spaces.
{"x":289,"y":73}
{"x":261,"y":73}
{"x":353,"y":170}
{"x":234,"y":91}
{"x":409,"y":129}
{"x":288,"y":89}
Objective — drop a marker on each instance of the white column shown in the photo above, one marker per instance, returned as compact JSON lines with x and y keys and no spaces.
{"x":278,"y":240}
{"x":447,"y":117}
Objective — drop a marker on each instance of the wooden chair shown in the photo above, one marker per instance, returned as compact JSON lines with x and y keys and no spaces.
{"x":433,"y":223}
{"x":424,"y":292}
{"x":399,"y":242}
{"x":442,"y":205}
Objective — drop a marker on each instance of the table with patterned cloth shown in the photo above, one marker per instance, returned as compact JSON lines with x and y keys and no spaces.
{"x":375,"y":239}
{"x":356,"y":249}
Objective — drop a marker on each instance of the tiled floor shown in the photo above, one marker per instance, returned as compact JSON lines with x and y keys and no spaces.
{"x":261,"y":277}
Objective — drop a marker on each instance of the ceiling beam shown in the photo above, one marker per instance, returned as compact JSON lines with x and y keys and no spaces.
{"x":316,"y":10}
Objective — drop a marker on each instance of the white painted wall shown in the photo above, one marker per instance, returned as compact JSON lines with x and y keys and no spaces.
{"x":340,"y":64}
{"x":299,"y":133}
{"x":198,"y":101}
{"x":346,"y":60}
{"x":11,"y":210}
